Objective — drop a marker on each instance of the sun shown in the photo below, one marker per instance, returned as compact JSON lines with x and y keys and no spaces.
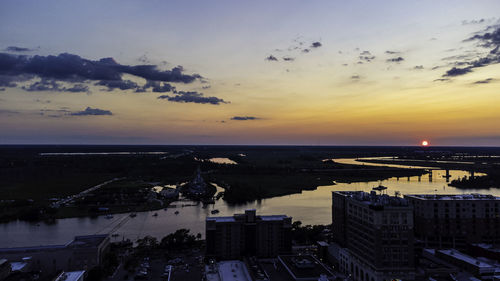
{"x":425,"y":143}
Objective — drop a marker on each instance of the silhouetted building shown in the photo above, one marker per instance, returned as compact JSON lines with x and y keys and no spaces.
{"x":453,"y":221}
{"x":375,"y":235}
{"x":83,"y":253}
{"x":248,"y":235}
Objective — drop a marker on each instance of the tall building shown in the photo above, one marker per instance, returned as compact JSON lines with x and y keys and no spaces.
{"x":375,"y":233}
{"x":248,"y":235}
{"x":453,"y":221}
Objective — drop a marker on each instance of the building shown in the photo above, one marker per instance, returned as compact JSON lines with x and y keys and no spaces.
{"x":453,"y":221}
{"x":248,"y":235}
{"x":475,"y":266}
{"x":305,"y":268}
{"x":83,"y":252}
{"x":71,"y":276}
{"x":375,"y":235}
{"x":233,"y":270}
{"x":5,"y":269}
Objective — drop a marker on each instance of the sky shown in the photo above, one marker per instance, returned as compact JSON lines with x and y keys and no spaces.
{"x":250,"y":72}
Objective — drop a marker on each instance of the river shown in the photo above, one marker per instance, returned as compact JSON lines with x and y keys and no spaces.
{"x":310,"y":207}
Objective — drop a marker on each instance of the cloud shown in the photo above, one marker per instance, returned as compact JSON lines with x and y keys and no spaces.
{"x":192,"y":97}
{"x":271,"y":58}
{"x":288,"y":59}
{"x":118,"y":84}
{"x":7,"y":81}
{"x":392,"y":52}
{"x":316,"y":44}
{"x":54,"y":86}
{"x":484,"y":39}
{"x":17,"y":49}
{"x":355,"y":77}
{"x":244,"y":118}
{"x":397,"y":59}
{"x":91,"y":111}
{"x":73,"y":68}
{"x":485,"y":81}
{"x":457,"y":71}
{"x":366,"y":56}
{"x":418,"y":67}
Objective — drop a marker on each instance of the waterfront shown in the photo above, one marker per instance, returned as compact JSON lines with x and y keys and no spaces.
{"x":310,"y":207}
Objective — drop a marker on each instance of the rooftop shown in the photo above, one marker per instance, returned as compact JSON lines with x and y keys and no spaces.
{"x":472,"y":196}
{"x":70,"y":276}
{"x":304,"y":266}
{"x":77,"y":242}
{"x":374,"y":199}
{"x":88,"y":241}
{"x":465,"y":258}
{"x":233,"y":271}
{"x":239,"y":217}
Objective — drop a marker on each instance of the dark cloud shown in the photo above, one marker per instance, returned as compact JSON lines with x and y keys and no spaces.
{"x":306,"y":51}
{"x":78,"y":88}
{"x":206,"y":87}
{"x":288,"y":59}
{"x":392,"y":52}
{"x":366,"y":56}
{"x":485,"y":81}
{"x":7,"y":81}
{"x":484,"y":39}
{"x":157,"y":87}
{"x":418,"y":67}
{"x":271,"y":58}
{"x":457,"y":71}
{"x":478,"y":21}
{"x":192,"y":97}
{"x":442,"y":80}
{"x":244,"y":118}
{"x":316,"y":44}
{"x":17,"y":49}
{"x":72,"y":68}
{"x":398,"y":59}
{"x":118,"y":84}
{"x":54,"y":86}
{"x":91,"y":111}
{"x":355,"y":77}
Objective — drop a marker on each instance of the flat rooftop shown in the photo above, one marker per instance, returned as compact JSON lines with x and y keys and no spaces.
{"x":78,"y":242}
{"x":465,"y":258}
{"x":258,"y":218}
{"x":87,"y":241}
{"x":70,"y":276}
{"x":233,"y":271}
{"x":374,"y":199}
{"x":472,"y":196}
{"x":304,"y":267}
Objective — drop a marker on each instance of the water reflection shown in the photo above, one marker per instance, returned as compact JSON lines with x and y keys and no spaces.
{"x":310,"y":207}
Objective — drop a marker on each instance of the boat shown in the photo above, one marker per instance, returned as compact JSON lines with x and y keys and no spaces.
{"x":133,"y":215}
{"x":155,"y":214}
{"x":176,"y":212}
{"x":115,"y":235}
{"x":214,"y":211}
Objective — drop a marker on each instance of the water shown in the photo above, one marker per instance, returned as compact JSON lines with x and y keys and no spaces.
{"x":310,"y":207}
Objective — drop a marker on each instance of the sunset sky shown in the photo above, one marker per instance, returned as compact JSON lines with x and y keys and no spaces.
{"x":250,"y":72}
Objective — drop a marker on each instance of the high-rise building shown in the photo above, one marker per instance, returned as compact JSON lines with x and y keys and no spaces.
{"x":248,"y":235}
{"x":376,"y":234}
{"x":453,"y":221}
